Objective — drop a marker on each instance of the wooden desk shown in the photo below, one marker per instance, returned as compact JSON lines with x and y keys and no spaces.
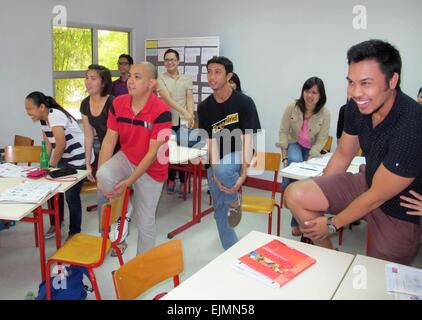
{"x":376,"y":286}
{"x":219,"y":281}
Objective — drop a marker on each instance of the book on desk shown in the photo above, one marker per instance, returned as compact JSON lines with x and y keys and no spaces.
{"x":274,"y":263}
{"x":28,"y":192}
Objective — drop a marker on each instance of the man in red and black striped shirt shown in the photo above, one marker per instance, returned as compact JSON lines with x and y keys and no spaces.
{"x":142,"y":123}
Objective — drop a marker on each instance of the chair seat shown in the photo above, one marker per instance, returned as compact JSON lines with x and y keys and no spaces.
{"x":82,"y":249}
{"x":89,"y":187}
{"x":257,"y":204}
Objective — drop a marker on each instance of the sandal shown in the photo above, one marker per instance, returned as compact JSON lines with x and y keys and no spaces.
{"x":235,"y":214}
{"x":122,"y":246}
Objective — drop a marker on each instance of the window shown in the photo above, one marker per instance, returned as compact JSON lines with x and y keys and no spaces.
{"x":74,"y":49}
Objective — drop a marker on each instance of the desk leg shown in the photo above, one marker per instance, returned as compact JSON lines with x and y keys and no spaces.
{"x":39,"y":216}
{"x":57,"y":220}
{"x":194,"y":220}
{"x":201,"y":214}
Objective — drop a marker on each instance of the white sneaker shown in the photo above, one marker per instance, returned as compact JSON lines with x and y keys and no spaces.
{"x":125,"y":229}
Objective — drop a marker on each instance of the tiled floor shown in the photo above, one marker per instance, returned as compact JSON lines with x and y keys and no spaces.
{"x":19,"y":259}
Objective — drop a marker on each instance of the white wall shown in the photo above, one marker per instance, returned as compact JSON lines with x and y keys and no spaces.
{"x":26,"y":50}
{"x":276,"y":45}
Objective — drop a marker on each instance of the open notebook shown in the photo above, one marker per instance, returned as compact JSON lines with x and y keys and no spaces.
{"x":10,"y":170}
{"x":28,"y":192}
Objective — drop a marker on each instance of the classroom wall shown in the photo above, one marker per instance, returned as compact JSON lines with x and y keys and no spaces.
{"x":26,"y":50}
{"x":277,"y":44}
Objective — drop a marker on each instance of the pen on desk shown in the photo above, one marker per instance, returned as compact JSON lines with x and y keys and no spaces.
{"x":308,"y":169}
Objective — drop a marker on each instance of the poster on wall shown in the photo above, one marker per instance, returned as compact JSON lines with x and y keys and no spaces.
{"x":194,"y":53}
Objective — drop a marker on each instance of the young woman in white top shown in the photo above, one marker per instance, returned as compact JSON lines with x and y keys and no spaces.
{"x":65,"y":145}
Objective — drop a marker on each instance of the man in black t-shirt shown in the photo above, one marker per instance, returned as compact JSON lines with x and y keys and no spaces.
{"x":385,"y":123}
{"x":230,"y":119}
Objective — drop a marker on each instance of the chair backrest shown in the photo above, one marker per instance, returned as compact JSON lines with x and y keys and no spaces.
{"x":118,"y":208}
{"x":327,"y":146}
{"x":110,"y":211}
{"x":20,"y":154}
{"x":148,"y":269}
{"x":268,"y":161}
{"x":23,"y":141}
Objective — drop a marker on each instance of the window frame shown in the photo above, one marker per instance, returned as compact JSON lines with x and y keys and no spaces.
{"x":80,"y":74}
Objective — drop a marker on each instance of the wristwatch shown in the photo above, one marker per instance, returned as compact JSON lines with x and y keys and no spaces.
{"x":331,"y":227}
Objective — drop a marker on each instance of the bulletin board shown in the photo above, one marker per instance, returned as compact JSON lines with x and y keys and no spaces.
{"x":194,"y":52}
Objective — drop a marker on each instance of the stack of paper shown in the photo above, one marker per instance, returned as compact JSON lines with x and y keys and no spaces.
{"x":10,"y":170}
{"x":28,"y":192}
{"x":405,"y":282}
{"x":303,"y":170}
{"x":357,"y":161}
{"x":323,"y":160}
{"x":320,"y":161}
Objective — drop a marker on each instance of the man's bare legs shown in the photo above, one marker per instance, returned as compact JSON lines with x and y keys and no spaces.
{"x":306,"y":201}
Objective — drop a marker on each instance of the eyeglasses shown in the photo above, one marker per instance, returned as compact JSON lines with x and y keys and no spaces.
{"x":169,"y":60}
{"x":122,"y":63}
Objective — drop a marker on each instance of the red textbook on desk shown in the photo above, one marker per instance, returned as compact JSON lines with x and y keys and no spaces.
{"x":275,"y":263}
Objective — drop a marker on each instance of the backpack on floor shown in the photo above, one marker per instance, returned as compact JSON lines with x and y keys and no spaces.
{"x":68,"y":285}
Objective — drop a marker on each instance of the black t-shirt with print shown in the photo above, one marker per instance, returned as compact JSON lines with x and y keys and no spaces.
{"x":396,"y":143}
{"x":227,"y":121}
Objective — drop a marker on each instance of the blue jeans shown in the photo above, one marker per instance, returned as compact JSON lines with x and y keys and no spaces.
{"x":295,"y":153}
{"x":73,"y":199}
{"x":227,"y":172}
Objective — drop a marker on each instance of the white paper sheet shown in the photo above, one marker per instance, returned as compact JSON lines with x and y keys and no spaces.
{"x":207,"y":54}
{"x":191,"y":54}
{"x":204,"y":78}
{"x":403,"y":280}
{"x":303,"y":169}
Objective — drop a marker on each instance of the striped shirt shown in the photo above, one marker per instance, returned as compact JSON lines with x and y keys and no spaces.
{"x":74,"y":153}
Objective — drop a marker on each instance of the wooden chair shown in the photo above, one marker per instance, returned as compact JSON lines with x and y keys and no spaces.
{"x":24,"y":154}
{"x":23,"y":141}
{"x":148,"y":269}
{"x":327,"y":146}
{"x":89,"y":251}
{"x":267,"y":161}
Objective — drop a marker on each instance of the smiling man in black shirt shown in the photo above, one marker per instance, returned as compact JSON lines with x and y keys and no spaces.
{"x":230,"y":118}
{"x":386,"y":124}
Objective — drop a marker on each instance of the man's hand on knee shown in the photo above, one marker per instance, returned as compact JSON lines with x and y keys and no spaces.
{"x":315,"y":229}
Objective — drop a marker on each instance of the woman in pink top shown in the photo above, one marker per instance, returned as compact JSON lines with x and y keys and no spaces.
{"x":304,"y":129}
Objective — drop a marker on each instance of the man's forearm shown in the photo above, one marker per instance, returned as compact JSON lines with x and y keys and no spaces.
{"x":337,"y":164}
{"x":105,"y":153}
{"x":357,"y":209}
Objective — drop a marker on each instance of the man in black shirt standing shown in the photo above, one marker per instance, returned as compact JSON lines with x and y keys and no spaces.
{"x":230,"y":119}
{"x":385,"y":123}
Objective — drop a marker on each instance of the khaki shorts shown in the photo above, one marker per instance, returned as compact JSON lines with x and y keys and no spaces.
{"x":391,"y":239}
